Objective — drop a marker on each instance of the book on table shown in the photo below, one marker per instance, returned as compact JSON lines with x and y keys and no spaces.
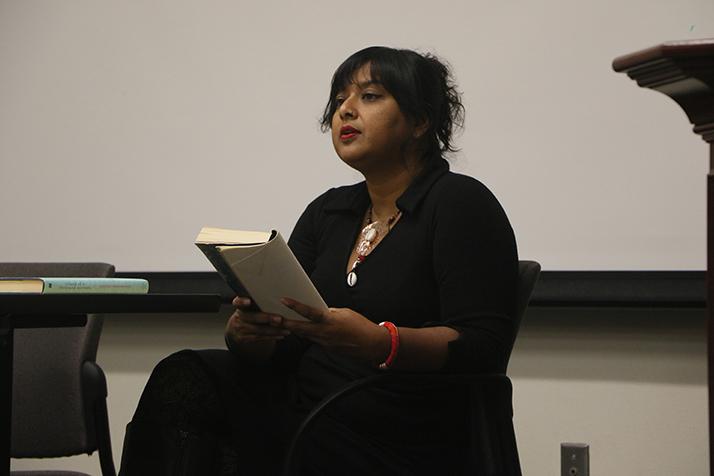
{"x":262,"y":264}
{"x":73,"y":285}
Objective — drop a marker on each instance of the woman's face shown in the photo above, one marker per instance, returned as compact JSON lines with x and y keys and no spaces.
{"x":368,"y":128}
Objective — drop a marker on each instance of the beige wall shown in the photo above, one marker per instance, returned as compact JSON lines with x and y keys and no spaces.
{"x":631,"y":383}
{"x":177,"y":113}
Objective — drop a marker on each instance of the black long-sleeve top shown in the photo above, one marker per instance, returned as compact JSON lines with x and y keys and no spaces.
{"x":450,"y":260}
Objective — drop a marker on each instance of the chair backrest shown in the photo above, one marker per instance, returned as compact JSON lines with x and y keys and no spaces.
{"x":528,"y":272}
{"x":48,"y":411}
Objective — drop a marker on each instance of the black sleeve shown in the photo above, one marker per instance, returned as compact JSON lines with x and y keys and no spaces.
{"x":476,"y":267}
{"x":305,"y":236}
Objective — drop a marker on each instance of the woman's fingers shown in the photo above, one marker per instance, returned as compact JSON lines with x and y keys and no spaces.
{"x":244,"y":313}
{"x":261,"y":338}
{"x":244,"y":328}
{"x":249,"y":326}
{"x":242,"y":302}
{"x":315,"y":315}
{"x":258,"y":318}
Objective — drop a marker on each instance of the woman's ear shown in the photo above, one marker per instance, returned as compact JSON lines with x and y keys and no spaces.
{"x":420,"y":128}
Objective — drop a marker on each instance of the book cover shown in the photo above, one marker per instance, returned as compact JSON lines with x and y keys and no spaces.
{"x":263,"y":265}
{"x":70,"y":285}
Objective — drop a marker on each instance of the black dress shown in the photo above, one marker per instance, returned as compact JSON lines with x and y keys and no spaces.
{"x":451,"y":261}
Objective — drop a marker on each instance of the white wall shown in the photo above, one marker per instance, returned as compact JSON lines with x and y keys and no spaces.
{"x":631,"y":383}
{"x":127,"y":125}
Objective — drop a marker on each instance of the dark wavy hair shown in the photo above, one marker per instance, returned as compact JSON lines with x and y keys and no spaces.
{"x":421,"y":84}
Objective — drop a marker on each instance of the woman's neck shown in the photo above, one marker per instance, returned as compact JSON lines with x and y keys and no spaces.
{"x":386,"y":186}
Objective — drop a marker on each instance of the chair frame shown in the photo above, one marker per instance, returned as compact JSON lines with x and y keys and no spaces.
{"x":93,"y":382}
{"x":489,"y":423}
{"x":96,"y":415}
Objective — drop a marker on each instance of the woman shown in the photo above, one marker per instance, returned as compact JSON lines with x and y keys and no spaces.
{"x":419,"y":266}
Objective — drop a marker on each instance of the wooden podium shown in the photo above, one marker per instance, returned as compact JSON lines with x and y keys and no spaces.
{"x":684,"y":71}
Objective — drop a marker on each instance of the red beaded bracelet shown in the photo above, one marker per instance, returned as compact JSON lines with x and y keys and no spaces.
{"x":394,"y":348}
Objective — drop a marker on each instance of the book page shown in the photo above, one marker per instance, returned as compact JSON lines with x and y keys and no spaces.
{"x":209,"y":235}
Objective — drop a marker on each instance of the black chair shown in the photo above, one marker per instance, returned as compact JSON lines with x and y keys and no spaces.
{"x":58,"y":391}
{"x":492,"y":446}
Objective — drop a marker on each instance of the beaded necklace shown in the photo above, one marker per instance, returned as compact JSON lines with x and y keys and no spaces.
{"x":370,"y":234}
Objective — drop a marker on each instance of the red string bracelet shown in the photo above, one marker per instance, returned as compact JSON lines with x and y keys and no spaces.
{"x":394,"y":347}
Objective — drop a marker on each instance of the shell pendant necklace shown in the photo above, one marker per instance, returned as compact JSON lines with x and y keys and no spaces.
{"x":369,"y":236}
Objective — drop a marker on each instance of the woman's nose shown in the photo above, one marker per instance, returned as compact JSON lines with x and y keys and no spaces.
{"x":347,"y":109}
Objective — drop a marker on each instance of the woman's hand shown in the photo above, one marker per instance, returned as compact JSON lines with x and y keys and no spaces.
{"x":340,"y":330}
{"x":250,"y":327}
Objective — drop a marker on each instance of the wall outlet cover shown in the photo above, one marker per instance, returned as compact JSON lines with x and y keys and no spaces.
{"x":574,"y":459}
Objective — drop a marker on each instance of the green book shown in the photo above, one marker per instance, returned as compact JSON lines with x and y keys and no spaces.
{"x":39,"y":285}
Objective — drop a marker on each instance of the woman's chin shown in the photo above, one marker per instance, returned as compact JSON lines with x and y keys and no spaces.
{"x":356,"y":161}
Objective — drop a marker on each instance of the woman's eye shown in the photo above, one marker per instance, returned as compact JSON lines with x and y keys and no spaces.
{"x":370,"y":96}
{"x":339,"y":100}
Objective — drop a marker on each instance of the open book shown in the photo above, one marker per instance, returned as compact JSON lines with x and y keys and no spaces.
{"x":263,"y":265}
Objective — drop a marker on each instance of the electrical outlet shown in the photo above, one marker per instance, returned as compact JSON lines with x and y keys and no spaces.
{"x":574,"y":459}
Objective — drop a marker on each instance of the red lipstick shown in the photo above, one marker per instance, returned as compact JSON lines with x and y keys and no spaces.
{"x":348,"y":133}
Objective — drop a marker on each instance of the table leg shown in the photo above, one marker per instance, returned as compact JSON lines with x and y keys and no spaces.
{"x":6,"y":350}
